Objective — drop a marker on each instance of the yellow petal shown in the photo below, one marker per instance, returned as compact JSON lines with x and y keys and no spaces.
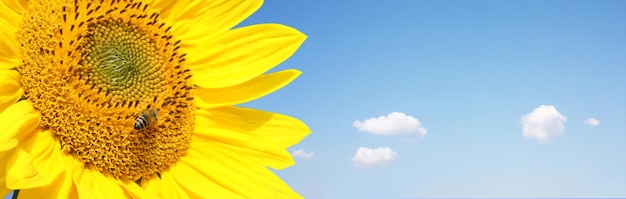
{"x":263,"y":136}
{"x":171,"y":188}
{"x":242,"y":54}
{"x":224,"y":13}
{"x":21,"y":174}
{"x":9,"y":11}
{"x":255,"y":88}
{"x":152,"y":185}
{"x":17,"y":121}
{"x":4,"y":191}
{"x":61,"y":187}
{"x":195,"y":22}
{"x":163,"y":7}
{"x":90,"y":183}
{"x":227,"y":174}
{"x":46,"y":153}
{"x":71,"y":167}
{"x":11,"y":90}
{"x":43,"y":153}
{"x":182,"y":175}
{"x":9,"y":47}
{"x":8,"y":63}
{"x":190,"y":9}
{"x":18,"y":6}
{"x":3,"y":186}
{"x":135,"y":191}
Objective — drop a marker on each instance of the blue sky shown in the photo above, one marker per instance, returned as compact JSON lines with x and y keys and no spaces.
{"x":468,"y":71}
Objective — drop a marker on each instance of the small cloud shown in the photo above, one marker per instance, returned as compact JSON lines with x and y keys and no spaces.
{"x":300,"y":153}
{"x":372,"y":157}
{"x":592,"y":122}
{"x":542,"y":123}
{"x":395,"y":123}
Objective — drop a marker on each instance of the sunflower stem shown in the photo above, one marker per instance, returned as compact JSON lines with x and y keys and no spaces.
{"x":15,"y":193}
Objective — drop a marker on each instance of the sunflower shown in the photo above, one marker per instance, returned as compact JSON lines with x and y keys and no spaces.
{"x":136,"y":99}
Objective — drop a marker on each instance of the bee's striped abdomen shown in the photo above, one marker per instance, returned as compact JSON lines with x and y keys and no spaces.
{"x":147,"y":118}
{"x":141,"y":122}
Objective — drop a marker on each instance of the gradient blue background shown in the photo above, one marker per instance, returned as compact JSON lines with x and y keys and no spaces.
{"x":468,"y":70}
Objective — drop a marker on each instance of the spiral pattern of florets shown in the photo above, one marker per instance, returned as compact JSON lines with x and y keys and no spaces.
{"x":92,"y":67}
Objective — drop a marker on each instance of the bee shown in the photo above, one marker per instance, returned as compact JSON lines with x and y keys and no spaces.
{"x":147,"y":118}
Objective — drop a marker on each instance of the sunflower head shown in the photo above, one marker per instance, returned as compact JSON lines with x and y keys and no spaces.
{"x":93,"y":68}
{"x":98,"y":100}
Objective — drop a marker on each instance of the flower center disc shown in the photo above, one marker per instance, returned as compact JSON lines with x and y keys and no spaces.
{"x":110,"y":83}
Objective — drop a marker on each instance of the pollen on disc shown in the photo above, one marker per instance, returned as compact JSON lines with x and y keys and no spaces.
{"x":103,"y":63}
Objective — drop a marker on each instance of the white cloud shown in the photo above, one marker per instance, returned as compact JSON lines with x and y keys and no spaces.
{"x":371,"y":157}
{"x":395,"y":123}
{"x":544,"y":122}
{"x":300,"y":153}
{"x":592,"y":122}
